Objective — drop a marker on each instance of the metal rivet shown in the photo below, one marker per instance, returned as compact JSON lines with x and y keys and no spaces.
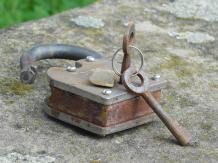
{"x":106,"y":91}
{"x":155,"y":77}
{"x":71,"y":69}
{"x":90,"y":58}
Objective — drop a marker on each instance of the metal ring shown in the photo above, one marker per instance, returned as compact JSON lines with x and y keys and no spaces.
{"x":141,"y":57}
{"x":130,"y":86}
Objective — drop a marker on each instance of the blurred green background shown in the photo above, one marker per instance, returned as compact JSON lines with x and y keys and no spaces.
{"x":16,"y":11}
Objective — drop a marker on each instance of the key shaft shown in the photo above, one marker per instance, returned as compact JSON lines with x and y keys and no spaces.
{"x":181,"y":134}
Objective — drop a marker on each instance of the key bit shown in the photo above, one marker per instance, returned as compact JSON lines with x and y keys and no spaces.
{"x":182,"y":136}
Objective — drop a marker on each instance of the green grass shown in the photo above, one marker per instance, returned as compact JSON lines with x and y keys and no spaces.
{"x":17,"y":11}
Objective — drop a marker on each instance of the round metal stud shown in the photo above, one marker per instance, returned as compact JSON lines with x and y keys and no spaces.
{"x":71,"y":69}
{"x":90,"y":59}
{"x":106,"y":92}
{"x":155,"y":77}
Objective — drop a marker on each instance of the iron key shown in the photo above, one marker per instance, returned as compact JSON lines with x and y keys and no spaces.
{"x":182,"y":136}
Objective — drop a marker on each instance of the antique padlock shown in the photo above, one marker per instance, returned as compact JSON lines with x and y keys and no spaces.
{"x":77,"y":101}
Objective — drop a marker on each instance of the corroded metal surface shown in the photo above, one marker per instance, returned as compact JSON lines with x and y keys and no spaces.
{"x":93,"y":127}
{"x":99,"y":114}
{"x":128,"y":39}
{"x":78,"y":83}
{"x":74,"y":95}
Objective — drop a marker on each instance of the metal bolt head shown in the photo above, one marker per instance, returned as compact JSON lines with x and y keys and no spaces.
{"x":90,"y":59}
{"x":71,"y":69}
{"x":155,"y":77}
{"x":106,"y":92}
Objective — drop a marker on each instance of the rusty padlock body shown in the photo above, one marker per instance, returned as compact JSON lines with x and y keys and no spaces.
{"x":76,"y":101}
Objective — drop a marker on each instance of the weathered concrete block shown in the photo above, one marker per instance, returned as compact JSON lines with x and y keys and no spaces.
{"x":191,"y":96}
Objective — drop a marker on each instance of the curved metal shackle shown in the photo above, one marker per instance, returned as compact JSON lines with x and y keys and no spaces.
{"x":50,"y":51}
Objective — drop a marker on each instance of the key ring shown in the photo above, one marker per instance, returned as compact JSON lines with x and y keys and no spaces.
{"x":141,"y":58}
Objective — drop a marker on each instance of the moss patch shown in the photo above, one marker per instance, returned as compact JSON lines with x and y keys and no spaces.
{"x":212,"y":69}
{"x":166,"y":109}
{"x":206,"y":125}
{"x":184,"y":84}
{"x":14,"y":87}
{"x":182,"y":68}
{"x":213,"y":85}
{"x":170,"y":98}
{"x":185,"y":102}
{"x":93,"y":32}
{"x":185,"y":19}
{"x":8,"y":102}
{"x":185,"y":72}
{"x":96,"y":161}
{"x":124,"y":8}
{"x":174,"y":62}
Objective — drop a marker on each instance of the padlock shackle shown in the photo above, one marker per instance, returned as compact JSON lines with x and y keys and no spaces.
{"x":50,"y":51}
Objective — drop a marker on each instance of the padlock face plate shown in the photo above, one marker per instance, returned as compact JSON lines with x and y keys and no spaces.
{"x":78,"y":83}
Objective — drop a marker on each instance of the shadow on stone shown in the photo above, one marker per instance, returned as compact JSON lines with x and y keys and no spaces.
{"x":74,"y":128}
{"x":83,"y":132}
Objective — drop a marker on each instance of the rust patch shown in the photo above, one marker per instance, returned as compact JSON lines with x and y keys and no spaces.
{"x":99,"y":114}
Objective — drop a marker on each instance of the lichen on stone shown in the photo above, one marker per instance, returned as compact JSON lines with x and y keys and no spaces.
{"x":185,"y":101}
{"x":192,"y":37}
{"x":184,"y":84}
{"x":206,"y":125}
{"x":88,"y":22}
{"x":214,"y":85}
{"x":185,"y":72}
{"x":184,"y":53}
{"x":96,"y":161}
{"x":149,"y":27}
{"x":173,"y":62}
{"x":93,"y":32}
{"x":17,"y":157}
{"x":198,"y":9}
